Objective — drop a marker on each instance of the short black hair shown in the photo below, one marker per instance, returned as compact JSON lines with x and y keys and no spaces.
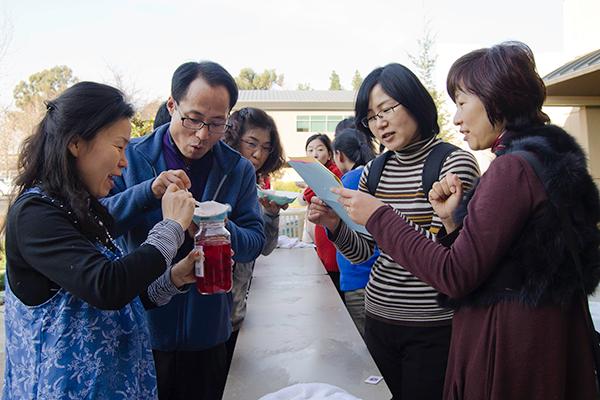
{"x":211,"y":72}
{"x":344,"y":124}
{"x":401,"y":84}
{"x":354,"y":145}
{"x":162,"y":115}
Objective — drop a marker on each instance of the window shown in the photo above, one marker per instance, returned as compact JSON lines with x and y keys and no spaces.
{"x":302,"y":123}
{"x":318,"y":123}
{"x":332,"y":122}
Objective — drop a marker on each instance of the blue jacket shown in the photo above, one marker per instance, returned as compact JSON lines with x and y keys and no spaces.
{"x":354,"y":276}
{"x":190,"y":321}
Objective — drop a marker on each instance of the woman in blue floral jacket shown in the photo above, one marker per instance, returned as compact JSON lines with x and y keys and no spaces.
{"x":75,"y":321}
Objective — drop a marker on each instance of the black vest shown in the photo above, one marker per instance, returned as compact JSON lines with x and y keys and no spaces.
{"x":539,"y":269}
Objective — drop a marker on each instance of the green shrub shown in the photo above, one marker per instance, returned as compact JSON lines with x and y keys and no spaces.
{"x":287,"y":186}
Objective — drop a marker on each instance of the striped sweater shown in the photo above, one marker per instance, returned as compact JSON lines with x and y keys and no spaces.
{"x":393,"y":294}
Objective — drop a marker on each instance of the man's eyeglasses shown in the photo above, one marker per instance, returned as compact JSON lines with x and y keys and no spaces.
{"x":254,"y":146}
{"x":216,"y":128}
{"x":386,"y":112}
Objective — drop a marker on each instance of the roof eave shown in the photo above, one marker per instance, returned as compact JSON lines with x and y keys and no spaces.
{"x":572,"y":101}
{"x":297,"y":106}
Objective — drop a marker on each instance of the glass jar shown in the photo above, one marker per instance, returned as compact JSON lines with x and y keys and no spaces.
{"x":215,"y":273}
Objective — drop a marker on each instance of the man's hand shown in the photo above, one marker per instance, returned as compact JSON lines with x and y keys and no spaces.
{"x":319,"y":213}
{"x":359,"y":206}
{"x":162,"y":181}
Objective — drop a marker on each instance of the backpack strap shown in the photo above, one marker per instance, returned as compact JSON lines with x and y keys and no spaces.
{"x":376,"y":170}
{"x":533,"y":161}
{"x":434,"y":163}
{"x":431,"y":170}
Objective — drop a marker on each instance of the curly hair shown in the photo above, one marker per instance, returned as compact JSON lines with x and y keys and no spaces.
{"x":254,"y":118}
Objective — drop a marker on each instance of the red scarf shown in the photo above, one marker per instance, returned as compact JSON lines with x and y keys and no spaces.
{"x":498,"y":145}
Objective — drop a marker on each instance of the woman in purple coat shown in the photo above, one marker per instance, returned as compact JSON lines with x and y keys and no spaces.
{"x":519,"y":253}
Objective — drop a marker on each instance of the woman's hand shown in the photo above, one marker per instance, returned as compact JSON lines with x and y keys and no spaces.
{"x":359,"y":205}
{"x":178,"y":205}
{"x":319,"y":213}
{"x":271,"y":207}
{"x":445,"y":196}
{"x":182,"y":273}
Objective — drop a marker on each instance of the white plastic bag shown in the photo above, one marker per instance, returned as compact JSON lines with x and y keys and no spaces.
{"x":310,"y":391}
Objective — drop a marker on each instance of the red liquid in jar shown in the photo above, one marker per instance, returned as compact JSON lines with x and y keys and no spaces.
{"x":217,"y":268}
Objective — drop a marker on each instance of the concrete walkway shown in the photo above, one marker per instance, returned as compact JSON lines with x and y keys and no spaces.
{"x":594,"y":308}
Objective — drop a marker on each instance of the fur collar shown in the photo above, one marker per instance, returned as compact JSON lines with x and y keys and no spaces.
{"x":539,"y":268}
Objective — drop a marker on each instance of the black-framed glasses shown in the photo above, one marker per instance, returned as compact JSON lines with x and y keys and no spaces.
{"x":254,"y":146}
{"x":216,"y":128}
{"x":386,"y":112}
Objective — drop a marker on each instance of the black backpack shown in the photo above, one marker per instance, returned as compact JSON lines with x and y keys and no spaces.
{"x":431,"y":169}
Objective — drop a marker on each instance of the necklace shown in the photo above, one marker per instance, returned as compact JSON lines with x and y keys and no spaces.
{"x":104,"y":238}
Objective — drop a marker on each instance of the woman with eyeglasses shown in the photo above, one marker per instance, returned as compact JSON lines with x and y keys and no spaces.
{"x":522,"y":250}
{"x":406,"y":331}
{"x":254,"y":134}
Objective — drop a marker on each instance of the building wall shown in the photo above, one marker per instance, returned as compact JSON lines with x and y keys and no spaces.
{"x":583,"y":123}
{"x":593,"y":137}
{"x":294,"y":141}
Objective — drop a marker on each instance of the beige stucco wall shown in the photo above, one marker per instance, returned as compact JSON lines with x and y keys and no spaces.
{"x":593,"y":124}
{"x":293,"y":142}
{"x":584,"y":124}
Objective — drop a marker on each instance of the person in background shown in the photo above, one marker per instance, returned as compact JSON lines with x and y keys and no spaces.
{"x":406,"y":331}
{"x":189,"y":333}
{"x":319,"y":147}
{"x":162,"y":115}
{"x":346,"y":123}
{"x":254,"y":134}
{"x":74,"y":320}
{"x":351,"y":152}
{"x":350,"y":122}
{"x":521,"y":253}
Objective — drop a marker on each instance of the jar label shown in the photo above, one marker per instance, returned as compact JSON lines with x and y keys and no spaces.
{"x":199,"y":265}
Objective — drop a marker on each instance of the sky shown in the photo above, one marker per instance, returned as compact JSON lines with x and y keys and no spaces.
{"x":144,"y":41}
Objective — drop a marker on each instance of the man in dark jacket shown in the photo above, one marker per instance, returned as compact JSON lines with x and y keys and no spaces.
{"x":189,"y":333}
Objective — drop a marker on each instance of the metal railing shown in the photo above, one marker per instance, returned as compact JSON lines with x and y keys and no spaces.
{"x":291,"y":222}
